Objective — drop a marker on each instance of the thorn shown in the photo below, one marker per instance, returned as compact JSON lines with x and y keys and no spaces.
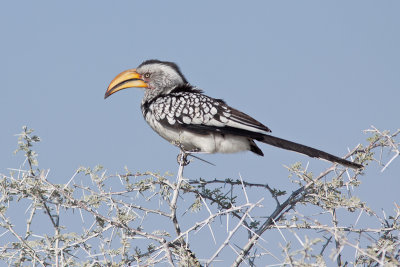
{"x":202,"y":159}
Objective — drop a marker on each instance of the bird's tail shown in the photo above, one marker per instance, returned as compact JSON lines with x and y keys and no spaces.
{"x":306,"y":150}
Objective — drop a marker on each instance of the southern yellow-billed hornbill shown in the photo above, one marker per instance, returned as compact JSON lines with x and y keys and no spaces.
{"x":183,"y":115}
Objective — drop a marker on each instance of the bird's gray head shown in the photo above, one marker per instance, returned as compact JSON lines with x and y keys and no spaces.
{"x":161,"y":74}
{"x":158,"y":77}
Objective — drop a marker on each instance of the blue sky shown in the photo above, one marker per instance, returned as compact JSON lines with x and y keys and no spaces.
{"x":314,"y":72}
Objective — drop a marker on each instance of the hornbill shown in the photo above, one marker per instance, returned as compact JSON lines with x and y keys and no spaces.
{"x":180,"y":113}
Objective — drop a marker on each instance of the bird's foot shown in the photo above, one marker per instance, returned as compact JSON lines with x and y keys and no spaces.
{"x":182,"y":158}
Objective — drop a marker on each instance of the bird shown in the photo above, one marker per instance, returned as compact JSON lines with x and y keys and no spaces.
{"x":183,"y":115}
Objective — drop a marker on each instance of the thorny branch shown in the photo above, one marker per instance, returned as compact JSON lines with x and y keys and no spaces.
{"x":301,"y":193}
{"x":135,"y":218}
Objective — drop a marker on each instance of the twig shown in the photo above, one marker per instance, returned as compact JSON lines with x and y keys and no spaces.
{"x":230,"y":234}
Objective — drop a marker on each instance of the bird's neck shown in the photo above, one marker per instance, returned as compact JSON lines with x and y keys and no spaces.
{"x":151,"y":95}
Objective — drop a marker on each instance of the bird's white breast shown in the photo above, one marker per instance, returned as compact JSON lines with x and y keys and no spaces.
{"x":190,"y":141}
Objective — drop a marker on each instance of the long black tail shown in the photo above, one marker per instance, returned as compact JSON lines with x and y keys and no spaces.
{"x":306,"y":150}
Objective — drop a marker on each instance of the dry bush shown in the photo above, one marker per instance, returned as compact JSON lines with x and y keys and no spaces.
{"x":147,"y":219}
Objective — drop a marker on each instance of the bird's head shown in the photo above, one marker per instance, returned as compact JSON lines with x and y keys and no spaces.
{"x":157,"y":77}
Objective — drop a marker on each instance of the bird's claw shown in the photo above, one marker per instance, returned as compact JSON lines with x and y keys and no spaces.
{"x":182,"y":158}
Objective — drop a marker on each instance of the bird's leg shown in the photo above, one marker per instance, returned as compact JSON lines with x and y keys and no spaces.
{"x":183,"y":154}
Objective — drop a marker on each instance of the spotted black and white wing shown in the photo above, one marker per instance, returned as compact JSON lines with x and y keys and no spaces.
{"x":199,"y":113}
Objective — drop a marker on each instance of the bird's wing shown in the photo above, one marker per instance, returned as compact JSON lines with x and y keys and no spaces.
{"x":198,"y":112}
{"x":241,"y":120}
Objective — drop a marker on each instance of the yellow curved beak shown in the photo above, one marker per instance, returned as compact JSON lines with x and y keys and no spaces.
{"x":126,"y":79}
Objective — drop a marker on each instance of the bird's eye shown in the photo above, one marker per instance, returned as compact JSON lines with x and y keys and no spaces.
{"x":147,"y":75}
